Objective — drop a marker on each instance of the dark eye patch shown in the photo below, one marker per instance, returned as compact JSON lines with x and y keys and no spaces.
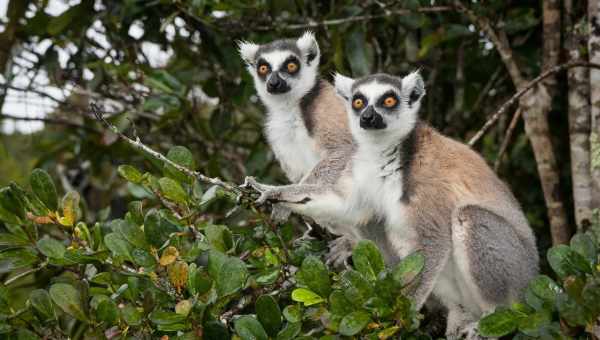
{"x":389,"y":93}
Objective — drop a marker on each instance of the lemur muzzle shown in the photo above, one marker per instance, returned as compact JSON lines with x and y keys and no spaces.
{"x":276,"y":84}
{"x":371,"y":120}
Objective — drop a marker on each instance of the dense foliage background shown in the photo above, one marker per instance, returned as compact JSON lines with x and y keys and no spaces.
{"x":169,"y":73}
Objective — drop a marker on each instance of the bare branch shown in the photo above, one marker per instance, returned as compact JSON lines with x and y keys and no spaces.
{"x":231,"y":188}
{"x":507,"y":137}
{"x":357,"y":18}
{"x":499,"y":39}
{"x":494,"y":118}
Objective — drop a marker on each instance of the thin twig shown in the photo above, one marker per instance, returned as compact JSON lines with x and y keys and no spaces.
{"x":137,"y":143}
{"x":334,"y":22}
{"x":56,"y":121}
{"x":507,"y":137}
{"x":494,"y":118}
{"x":25,"y":273}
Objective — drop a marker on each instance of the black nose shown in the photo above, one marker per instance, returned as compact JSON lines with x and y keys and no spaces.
{"x":371,"y":120}
{"x":276,"y":85}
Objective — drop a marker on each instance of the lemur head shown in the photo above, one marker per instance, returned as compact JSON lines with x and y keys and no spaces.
{"x":283,"y":70}
{"x":380,"y":105}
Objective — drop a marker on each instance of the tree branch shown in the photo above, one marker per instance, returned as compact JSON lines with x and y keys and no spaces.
{"x":524,"y":89}
{"x":507,"y":137}
{"x":231,"y":188}
{"x":499,"y":39}
{"x":357,"y":18}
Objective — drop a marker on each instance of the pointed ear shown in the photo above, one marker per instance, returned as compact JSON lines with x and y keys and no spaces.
{"x":343,"y":86}
{"x":413,"y":87}
{"x":248,"y":51}
{"x":309,"y":47}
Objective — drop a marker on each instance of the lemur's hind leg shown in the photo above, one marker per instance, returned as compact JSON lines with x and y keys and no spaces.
{"x":492,"y":261}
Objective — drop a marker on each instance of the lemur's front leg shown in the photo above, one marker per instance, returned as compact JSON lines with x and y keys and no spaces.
{"x":436,"y":257}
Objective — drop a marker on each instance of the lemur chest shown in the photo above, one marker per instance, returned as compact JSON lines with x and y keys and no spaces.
{"x":296,"y":151}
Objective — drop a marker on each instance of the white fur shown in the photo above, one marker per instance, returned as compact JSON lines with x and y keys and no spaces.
{"x":308,"y":44}
{"x":247,"y":51}
{"x":343,"y":85}
{"x":296,"y":151}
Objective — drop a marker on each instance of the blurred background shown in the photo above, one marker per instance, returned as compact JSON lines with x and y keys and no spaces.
{"x":169,"y":71}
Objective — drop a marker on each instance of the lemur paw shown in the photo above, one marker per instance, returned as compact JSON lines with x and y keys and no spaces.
{"x":266,"y":193}
{"x":468,"y":332}
{"x":340,"y":251}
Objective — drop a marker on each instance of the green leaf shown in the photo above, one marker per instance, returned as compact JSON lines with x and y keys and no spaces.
{"x":534,"y":325}
{"x":367,"y":259}
{"x":159,"y":317}
{"x":338,"y":304}
{"x":199,"y":282}
{"x":219,"y":237}
{"x":569,"y":310}
{"x":591,"y":295}
{"x":500,"y":323}
{"x":544,"y":288}
{"x":306,"y":296}
{"x":248,"y":328}
{"x":157,"y":228}
{"x":356,"y":288}
{"x":583,"y":244}
{"x":51,"y":248}
{"x":181,"y":156}
{"x":290,"y":331}
{"x":354,"y":322}
{"x":118,"y":246}
{"x":130,"y":173}
{"x":11,"y":203}
{"x":41,"y":302}
{"x":107,"y":312}
{"x":269,"y":314}
{"x":409,"y":267}
{"x":136,"y":210}
{"x":130,"y":232}
{"x":143,"y":258}
{"x":564,"y":261}
{"x":232,"y":276}
{"x":293,"y":313}
{"x":183,"y":307}
{"x":68,"y":299}
{"x":43,"y":187}
{"x":172,"y":190}
{"x":13,"y":259}
{"x":131,"y":315}
{"x":315,"y":275}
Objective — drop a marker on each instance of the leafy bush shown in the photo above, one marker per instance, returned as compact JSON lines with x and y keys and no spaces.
{"x":557,"y":310}
{"x":166,"y":268}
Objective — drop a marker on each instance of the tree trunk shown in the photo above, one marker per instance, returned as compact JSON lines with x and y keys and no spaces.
{"x":15,"y":11}
{"x":536,"y":106}
{"x":579,"y":118}
{"x":594,"y":57}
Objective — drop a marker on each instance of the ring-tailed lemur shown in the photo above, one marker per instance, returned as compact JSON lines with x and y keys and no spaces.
{"x":432,"y":194}
{"x":306,"y":121}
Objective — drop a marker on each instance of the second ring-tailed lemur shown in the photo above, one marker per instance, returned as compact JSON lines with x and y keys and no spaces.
{"x":306,"y":121}
{"x":431,"y":193}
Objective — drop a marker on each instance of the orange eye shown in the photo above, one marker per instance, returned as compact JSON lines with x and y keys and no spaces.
{"x":358,"y":103}
{"x":263,"y":69}
{"x":390,"y":101}
{"x":292,"y":67}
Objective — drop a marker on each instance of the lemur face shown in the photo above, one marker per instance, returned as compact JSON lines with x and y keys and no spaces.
{"x":381,"y":104}
{"x":283,"y":68}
